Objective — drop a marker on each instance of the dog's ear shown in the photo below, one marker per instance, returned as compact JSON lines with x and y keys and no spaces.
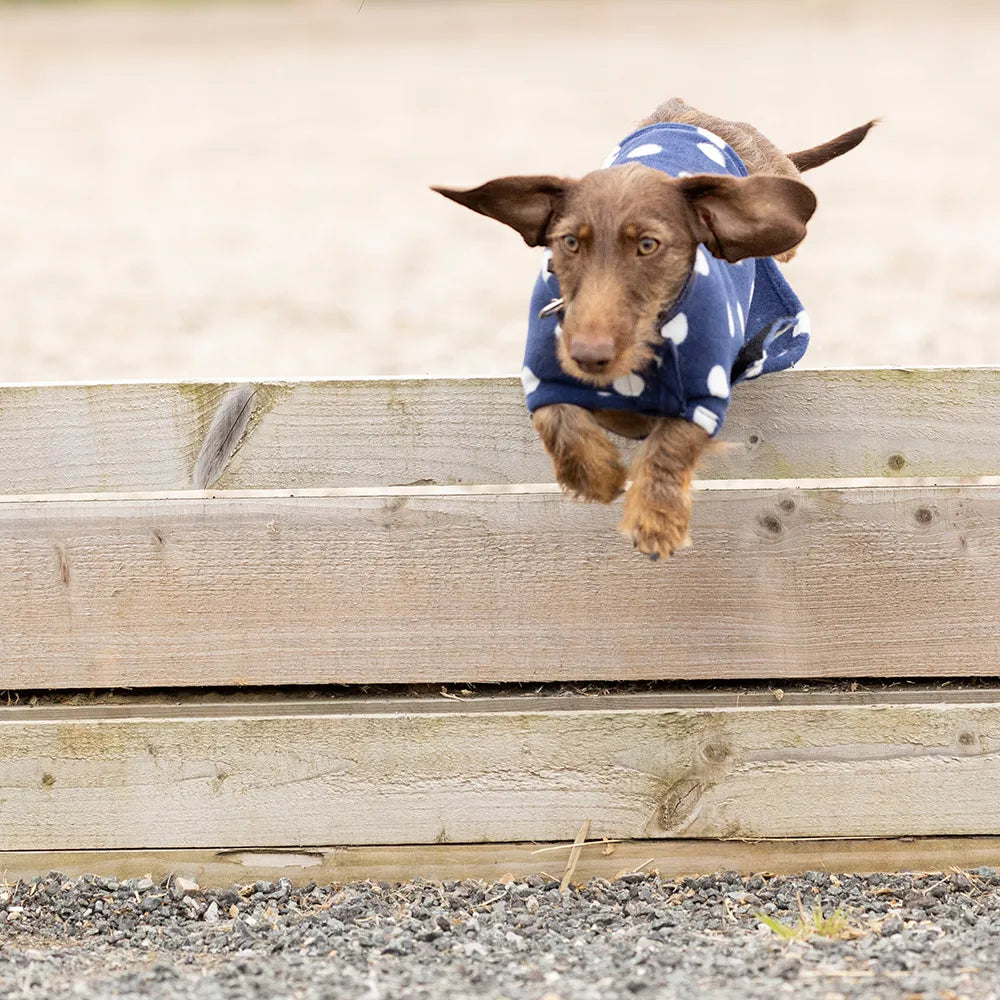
{"x":527,"y":204}
{"x":739,"y":217}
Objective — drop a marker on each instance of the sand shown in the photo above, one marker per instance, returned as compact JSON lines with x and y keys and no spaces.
{"x":218,"y":191}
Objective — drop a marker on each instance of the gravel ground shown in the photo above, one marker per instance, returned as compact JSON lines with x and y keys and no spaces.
{"x":908,"y":936}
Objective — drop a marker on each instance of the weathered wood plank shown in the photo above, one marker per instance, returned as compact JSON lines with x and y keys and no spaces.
{"x":496,"y":588}
{"x":492,"y":862}
{"x":467,"y":776}
{"x":147,"y":436}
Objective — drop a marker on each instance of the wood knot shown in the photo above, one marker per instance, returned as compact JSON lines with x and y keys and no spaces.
{"x":681,"y":805}
{"x":225,"y":435}
{"x":896,"y":463}
{"x":787,"y":505}
{"x":753,"y":439}
{"x":924,"y":515}
{"x":770,"y":523}
{"x":63,"y":564}
{"x":715,"y":753}
{"x":967,"y":739}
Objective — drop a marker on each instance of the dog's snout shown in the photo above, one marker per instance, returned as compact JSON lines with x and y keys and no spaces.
{"x":592,"y":354}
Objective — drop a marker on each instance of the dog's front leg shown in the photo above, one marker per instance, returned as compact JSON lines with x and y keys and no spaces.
{"x":587,"y":464}
{"x":658,"y":504}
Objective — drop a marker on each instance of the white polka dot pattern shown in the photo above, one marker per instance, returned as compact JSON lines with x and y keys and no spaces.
{"x":675,"y":329}
{"x":729,"y":316}
{"x":705,"y":419}
{"x":757,"y":367}
{"x":701,"y":262}
{"x":712,"y":137}
{"x":718,"y":382}
{"x":802,"y":324}
{"x":610,"y":158}
{"x":713,"y":153}
{"x":629,"y":385}
{"x":646,"y":149}
{"x":529,"y":381}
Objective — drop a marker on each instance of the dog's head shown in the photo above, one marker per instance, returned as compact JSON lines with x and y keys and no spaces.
{"x":623,"y":244}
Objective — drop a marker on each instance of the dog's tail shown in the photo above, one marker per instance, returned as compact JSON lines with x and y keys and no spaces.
{"x":806,"y":159}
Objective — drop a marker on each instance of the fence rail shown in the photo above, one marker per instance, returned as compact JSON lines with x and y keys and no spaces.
{"x":127,"y":437}
{"x":496,"y":587}
{"x":404,"y":532}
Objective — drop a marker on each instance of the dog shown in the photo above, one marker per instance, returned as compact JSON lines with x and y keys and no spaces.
{"x":658,"y":292}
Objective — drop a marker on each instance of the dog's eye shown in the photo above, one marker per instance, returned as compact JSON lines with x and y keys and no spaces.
{"x":648,"y":245}
{"x":571,"y":243}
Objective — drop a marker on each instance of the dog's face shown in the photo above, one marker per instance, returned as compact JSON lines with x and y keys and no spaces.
{"x":623,"y":244}
{"x":622,"y":249}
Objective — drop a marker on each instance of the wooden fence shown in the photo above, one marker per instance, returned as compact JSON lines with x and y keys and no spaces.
{"x":172,"y":656}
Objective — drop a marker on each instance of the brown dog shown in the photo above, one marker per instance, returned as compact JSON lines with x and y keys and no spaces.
{"x":623,"y":243}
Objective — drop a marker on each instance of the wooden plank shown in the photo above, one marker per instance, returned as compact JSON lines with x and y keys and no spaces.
{"x":147,"y":436}
{"x":496,"y":588}
{"x":469,"y":776}
{"x":492,"y":862}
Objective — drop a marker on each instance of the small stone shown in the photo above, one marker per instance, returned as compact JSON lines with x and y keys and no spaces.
{"x":211,"y":915}
{"x":183,"y":887}
{"x":821,"y":879}
{"x":516,"y":940}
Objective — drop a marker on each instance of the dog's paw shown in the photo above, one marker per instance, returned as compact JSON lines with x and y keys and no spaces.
{"x":656,"y":531}
{"x":596,"y":475}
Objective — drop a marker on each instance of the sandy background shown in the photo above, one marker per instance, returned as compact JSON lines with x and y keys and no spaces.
{"x":226,"y":190}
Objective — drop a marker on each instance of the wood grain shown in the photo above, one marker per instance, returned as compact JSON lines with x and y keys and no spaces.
{"x":423,"y":588}
{"x":492,"y":862}
{"x":147,"y":436}
{"x":464,"y":775}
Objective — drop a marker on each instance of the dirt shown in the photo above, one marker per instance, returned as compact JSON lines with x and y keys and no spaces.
{"x":229,"y":190}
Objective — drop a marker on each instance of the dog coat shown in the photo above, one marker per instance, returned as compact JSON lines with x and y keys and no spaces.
{"x":731,"y":321}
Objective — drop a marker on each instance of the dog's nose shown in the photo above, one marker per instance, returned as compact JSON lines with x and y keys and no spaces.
{"x":592,"y":355}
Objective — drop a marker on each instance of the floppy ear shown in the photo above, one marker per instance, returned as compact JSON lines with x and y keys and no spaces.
{"x":756,"y":216}
{"x":527,"y":204}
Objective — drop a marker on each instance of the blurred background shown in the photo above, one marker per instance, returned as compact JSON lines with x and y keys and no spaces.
{"x":218,"y":190}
